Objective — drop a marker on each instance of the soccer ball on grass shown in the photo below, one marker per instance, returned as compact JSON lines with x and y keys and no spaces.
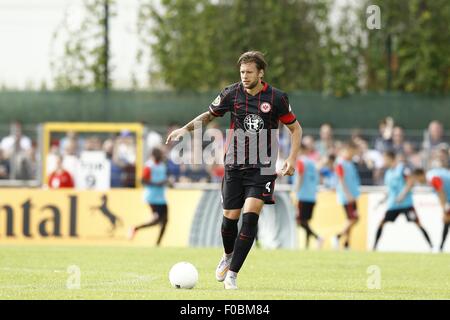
{"x":183,"y":275}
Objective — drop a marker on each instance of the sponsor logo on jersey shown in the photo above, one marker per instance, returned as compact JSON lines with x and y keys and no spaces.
{"x":253,"y":123}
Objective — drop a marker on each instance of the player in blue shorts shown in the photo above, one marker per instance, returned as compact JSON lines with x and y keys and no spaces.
{"x":347,"y":192}
{"x":307,"y":181}
{"x":439,"y":179}
{"x":399,"y":198}
{"x":154,"y":178}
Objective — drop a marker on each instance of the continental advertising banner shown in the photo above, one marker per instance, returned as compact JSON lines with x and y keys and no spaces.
{"x":40,"y":216}
{"x":89,"y":217}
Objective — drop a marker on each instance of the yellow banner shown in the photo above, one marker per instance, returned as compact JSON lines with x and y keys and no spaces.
{"x":82,"y":217}
{"x":35,"y":216}
{"x":329,"y":218}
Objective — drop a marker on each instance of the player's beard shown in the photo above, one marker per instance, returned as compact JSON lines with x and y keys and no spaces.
{"x":252,"y":85}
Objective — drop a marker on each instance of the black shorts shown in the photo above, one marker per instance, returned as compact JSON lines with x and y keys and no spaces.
{"x":351,"y":211}
{"x":305,"y":211}
{"x":238,"y":185}
{"x":410,"y":214}
{"x":160,"y":210}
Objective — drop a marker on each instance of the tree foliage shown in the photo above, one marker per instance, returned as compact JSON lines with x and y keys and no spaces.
{"x":420,"y":35}
{"x":81,"y":65}
{"x":194,"y":45}
{"x":197,"y":43}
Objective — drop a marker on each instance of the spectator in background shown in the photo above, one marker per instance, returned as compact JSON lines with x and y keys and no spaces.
{"x":4,"y":166}
{"x":328,"y":177}
{"x":433,"y":142}
{"x":442,"y":158}
{"x":326,"y":142}
{"x":364,"y":164}
{"x":385,"y":130}
{"x":33,"y":156}
{"x":310,"y":145}
{"x":410,"y":156}
{"x":52,"y":157}
{"x":92,"y":143}
{"x":15,"y":141}
{"x":70,"y":148}
{"x":125,"y":155}
{"x":434,"y":136}
{"x":116,"y":170}
{"x":125,"y":148}
{"x":398,"y":140}
{"x":70,"y":154}
{"x":20,"y":163}
{"x":71,"y":142}
{"x":373,"y":163}
{"x":60,"y":178}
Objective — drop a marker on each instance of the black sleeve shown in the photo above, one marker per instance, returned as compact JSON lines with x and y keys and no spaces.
{"x":221,"y":104}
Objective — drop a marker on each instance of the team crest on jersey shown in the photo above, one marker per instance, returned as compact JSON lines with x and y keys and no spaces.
{"x":265,"y":107}
{"x":253,"y":123}
{"x":216,"y":101}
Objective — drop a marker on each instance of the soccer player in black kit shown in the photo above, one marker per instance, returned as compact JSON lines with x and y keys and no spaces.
{"x":255,"y":108}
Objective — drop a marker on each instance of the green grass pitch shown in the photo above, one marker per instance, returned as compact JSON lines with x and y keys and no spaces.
{"x":41,"y":272}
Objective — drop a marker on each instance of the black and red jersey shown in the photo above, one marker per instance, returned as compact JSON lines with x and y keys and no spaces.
{"x":253,"y":115}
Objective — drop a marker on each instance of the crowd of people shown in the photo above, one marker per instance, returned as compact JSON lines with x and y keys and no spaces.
{"x":19,"y":154}
{"x":118,"y":149}
{"x":430,"y":152}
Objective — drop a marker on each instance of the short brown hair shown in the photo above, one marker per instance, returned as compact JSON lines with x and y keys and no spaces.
{"x":253,"y":56}
{"x":157,"y":154}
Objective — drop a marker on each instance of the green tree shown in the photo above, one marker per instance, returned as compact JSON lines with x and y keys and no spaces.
{"x":342,"y":53}
{"x":84,"y":58}
{"x":181,"y":39}
{"x":419,"y":35}
{"x":196,"y":43}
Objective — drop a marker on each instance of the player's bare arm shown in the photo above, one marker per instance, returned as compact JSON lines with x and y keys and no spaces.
{"x":296,"y":137}
{"x":204,"y":118}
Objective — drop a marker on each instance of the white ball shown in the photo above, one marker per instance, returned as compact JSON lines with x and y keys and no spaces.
{"x":183,"y":275}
